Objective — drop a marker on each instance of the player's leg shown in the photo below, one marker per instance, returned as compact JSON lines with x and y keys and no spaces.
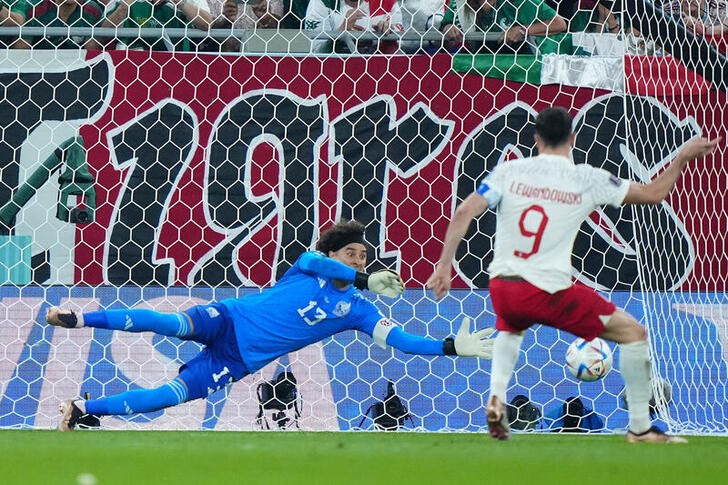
{"x":505,"y":354}
{"x":586,"y":314}
{"x":506,"y":299}
{"x":634,"y":364}
{"x":622,"y":328}
{"x":128,"y":320}
{"x":583,"y":312}
{"x":214,"y":367}
{"x":209,"y":371}
{"x":135,"y":401}
{"x":200,"y":323}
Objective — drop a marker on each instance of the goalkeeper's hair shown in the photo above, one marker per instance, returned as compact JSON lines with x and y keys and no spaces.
{"x":553,"y":126}
{"x":339,"y":235}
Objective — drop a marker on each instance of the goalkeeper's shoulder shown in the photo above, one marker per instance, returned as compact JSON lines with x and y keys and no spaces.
{"x":314,"y":262}
{"x":310,"y":255}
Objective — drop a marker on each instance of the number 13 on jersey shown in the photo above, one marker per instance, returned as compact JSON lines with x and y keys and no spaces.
{"x":312,"y":313}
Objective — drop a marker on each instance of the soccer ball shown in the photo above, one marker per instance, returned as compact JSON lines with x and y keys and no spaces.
{"x":589,"y":360}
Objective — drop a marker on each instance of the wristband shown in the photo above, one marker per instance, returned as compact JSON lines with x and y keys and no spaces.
{"x":360,"y":281}
{"x":448,"y":347}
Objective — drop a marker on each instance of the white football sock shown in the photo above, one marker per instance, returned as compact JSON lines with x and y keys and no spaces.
{"x":505,"y":355}
{"x":634,"y":363}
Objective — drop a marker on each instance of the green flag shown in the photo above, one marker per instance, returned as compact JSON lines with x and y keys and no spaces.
{"x":525,"y":68}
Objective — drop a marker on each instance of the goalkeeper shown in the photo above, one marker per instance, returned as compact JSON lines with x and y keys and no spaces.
{"x":317,"y":298}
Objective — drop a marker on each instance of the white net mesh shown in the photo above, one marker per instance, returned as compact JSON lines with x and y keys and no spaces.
{"x":164,"y":180}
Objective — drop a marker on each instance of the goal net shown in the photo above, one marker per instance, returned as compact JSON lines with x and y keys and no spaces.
{"x":167,"y":179}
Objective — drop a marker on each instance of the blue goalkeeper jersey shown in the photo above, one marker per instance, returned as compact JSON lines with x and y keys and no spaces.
{"x":303,"y":307}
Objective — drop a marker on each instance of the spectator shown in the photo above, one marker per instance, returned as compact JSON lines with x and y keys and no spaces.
{"x":157,"y":14}
{"x":337,"y":16}
{"x":294,"y":13}
{"x":585,"y":15}
{"x":607,"y":20}
{"x":224,"y":20}
{"x":701,"y":17}
{"x":12,"y":15}
{"x":572,"y":417}
{"x":61,"y":13}
{"x":265,"y":14}
{"x":633,"y":40}
{"x":514,"y":20}
{"x":422,"y":16}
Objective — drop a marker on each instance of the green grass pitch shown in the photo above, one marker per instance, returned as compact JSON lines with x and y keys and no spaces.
{"x":161,"y":457}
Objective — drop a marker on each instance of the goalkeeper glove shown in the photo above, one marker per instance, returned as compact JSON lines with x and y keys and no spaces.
{"x":466,"y":344}
{"x":384,"y":282}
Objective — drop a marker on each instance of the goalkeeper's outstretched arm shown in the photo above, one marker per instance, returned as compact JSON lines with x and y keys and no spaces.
{"x":465,"y":344}
{"x":384,"y":282}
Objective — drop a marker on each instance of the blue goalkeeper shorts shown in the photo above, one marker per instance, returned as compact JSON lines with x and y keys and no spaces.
{"x":219,"y":363}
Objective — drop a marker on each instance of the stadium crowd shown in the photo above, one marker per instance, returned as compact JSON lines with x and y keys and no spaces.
{"x":542,"y":26}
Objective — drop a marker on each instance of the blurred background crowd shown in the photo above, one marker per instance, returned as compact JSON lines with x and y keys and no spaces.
{"x":346,"y":26}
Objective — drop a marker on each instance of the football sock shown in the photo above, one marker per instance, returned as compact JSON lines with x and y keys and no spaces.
{"x":140,"y":320}
{"x":505,"y":355}
{"x":634,"y":364}
{"x":139,"y":400}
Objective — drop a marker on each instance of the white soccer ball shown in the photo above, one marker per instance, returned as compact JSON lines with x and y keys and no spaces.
{"x":589,"y":360}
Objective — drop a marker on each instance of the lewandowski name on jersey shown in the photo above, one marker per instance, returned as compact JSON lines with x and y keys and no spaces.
{"x":545,"y":193}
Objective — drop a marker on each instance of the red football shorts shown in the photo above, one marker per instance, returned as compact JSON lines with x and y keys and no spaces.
{"x":519,"y":304}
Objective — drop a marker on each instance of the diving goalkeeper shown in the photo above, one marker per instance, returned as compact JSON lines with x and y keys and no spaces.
{"x":316,"y":298}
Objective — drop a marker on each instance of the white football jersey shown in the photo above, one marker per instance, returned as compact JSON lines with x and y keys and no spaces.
{"x":541,"y":202}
